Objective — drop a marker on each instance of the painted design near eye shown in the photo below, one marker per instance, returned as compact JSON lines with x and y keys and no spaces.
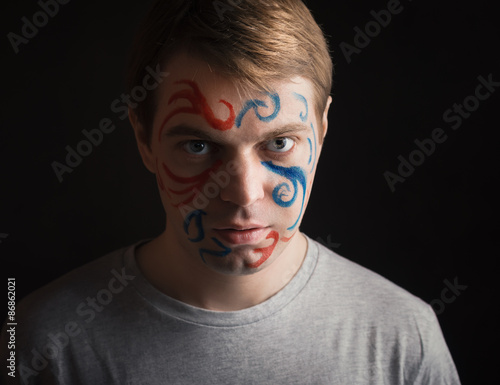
{"x":197,"y":147}
{"x":295,"y":175}
{"x":194,"y":183}
{"x":301,"y":98}
{"x":310,"y":150}
{"x":280,"y":144}
{"x":265,"y":251}
{"x":314,"y":135}
{"x":197,"y":215}
{"x":255,"y":104}
{"x":216,"y":253}
{"x":199,"y":106}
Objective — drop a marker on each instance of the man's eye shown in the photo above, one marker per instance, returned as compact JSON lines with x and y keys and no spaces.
{"x":280,"y":144}
{"x":197,"y":147}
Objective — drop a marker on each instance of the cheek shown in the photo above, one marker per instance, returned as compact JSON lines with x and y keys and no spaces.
{"x":183,"y":190}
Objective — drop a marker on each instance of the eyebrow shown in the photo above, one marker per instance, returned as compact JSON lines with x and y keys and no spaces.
{"x":185,"y":130}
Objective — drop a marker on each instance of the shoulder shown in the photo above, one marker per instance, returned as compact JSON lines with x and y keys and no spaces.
{"x":57,"y":304}
{"x":364,"y":292}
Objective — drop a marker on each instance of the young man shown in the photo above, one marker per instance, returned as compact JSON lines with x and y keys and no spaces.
{"x":231,"y":292}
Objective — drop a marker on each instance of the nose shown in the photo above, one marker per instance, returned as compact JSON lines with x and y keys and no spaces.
{"x":247,"y":181}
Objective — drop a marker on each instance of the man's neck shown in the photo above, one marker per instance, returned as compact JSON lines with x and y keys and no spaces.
{"x":198,"y":285}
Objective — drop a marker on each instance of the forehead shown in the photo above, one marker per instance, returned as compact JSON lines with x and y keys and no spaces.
{"x":192,"y":80}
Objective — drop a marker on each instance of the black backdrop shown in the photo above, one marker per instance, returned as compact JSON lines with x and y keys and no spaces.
{"x":436,"y":226}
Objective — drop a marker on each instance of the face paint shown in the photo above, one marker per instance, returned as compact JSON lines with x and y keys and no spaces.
{"x":200,"y":98}
{"x":314,"y":135}
{"x":310,"y":150}
{"x":284,"y":239}
{"x":197,"y":216}
{"x":266,"y":251}
{"x":158,"y":178}
{"x":303,"y":100}
{"x":255,"y":104}
{"x":199,"y":106}
{"x":294,"y":175}
{"x":196,"y":182}
{"x":220,"y":253}
{"x":304,"y":118}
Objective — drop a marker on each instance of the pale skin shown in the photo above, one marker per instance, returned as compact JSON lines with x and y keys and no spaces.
{"x":174,"y":262}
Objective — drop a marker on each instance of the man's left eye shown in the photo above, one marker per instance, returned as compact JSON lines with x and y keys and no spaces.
{"x":280,"y":144}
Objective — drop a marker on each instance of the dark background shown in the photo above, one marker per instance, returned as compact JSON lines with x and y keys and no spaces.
{"x":436,"y":225}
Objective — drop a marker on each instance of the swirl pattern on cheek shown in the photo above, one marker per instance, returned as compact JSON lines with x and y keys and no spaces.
{"x":255,"y":104}
{"x":295,"y":175}
{"x":194,"y":183}
{"x":199,"y":106}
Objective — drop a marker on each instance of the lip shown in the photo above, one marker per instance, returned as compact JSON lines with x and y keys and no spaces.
{"x":242,"y":235}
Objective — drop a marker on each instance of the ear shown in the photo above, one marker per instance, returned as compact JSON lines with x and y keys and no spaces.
{"x":142,"y":142}
{"x":324,"y":120}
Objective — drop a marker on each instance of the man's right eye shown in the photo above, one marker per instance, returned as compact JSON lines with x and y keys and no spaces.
{"x":197,"y":147}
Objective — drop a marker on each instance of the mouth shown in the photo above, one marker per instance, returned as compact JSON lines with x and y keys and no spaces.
{"x":241,"y":235}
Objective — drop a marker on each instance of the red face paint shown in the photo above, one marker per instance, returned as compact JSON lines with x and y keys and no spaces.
{"x":195,"y":182}
{"x":158,"y":177}
{"x":199,"y":106}
{"x":266,"y":251}
{"x":284,"y":239}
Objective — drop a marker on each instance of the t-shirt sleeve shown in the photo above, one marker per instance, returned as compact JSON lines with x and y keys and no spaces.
{"x":437,"y":366}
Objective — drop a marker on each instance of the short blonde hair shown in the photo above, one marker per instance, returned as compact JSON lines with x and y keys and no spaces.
{"x":253,"y":42}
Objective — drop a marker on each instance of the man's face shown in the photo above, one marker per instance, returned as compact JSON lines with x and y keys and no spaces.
{"x":234,"y":172}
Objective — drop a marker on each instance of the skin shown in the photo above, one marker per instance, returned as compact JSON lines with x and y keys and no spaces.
{"x":250,"y":272}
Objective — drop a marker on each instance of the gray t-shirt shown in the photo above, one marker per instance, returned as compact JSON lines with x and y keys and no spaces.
{"x":335,"y":322}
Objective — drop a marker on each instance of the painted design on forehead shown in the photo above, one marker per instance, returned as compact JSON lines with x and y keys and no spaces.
{"x":255,"y":104}
{"x":293,"y":174}
{"x":303,"y":100}
{"x":265,"y":251}
{"x":199,"y":106}
{"x":197,"y":215}
{"x":194,"y":183}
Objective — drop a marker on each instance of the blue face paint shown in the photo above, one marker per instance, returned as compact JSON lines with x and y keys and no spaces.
{"x":255,"y":104}
{"x":303,"y":100}
{"x":293,"y":174}
{"x":310,"y":151}
{"x":314,"y":134}
{"x":197,"y":216}
{"x":221,"y":253}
